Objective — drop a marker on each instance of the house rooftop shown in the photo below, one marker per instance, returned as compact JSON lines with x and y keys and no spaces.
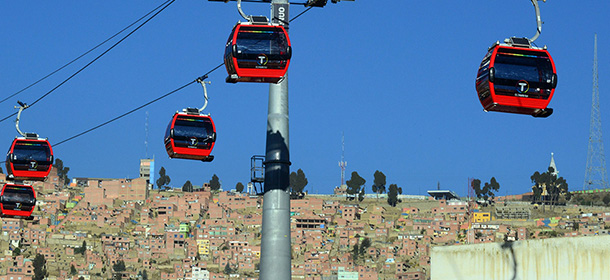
{"x":443,"y":194}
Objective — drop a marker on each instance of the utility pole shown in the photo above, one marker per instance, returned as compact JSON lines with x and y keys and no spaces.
{"x":275,"y":240}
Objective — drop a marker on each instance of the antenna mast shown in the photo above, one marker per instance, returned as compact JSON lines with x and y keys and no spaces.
{"x":146,"y":135}
{"x":342,"y":163}
{"x":595,"y":176}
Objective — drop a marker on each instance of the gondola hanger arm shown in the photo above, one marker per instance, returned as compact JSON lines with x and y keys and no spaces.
{"x":205,"y":93}
{"x":251,"y":19}
{"x":22,"y":106}
{"x":241,"y":12}
{"x":538,"y":20}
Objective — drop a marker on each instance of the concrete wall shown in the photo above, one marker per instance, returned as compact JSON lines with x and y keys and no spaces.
{"x":556,"y":258}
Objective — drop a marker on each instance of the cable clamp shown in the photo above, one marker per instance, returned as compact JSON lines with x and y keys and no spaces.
{"x":200,"y":79}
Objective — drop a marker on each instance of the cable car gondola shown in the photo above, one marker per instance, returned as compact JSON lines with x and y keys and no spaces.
{"x":190,"y":135}
{"x":29,"y":158}
{"x":17,"y":200}
{"x":257,"y":52}
{"x":517,"y":79}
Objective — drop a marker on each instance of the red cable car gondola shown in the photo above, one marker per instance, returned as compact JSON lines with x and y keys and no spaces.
{"x":17,"y":200}
{"x":190,"y":135}
{"x":257,"y":52}
{"x":517,"y":78}
{"x":29,"y":158}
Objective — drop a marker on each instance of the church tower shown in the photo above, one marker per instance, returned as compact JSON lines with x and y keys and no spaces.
{"x":556,"y":172}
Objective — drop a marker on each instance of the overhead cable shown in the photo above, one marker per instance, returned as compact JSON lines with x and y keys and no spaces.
{"x":306,"y":10}
{"x":95,"y":59}
{"x":123,"y":115}
{"x":79,"y":57}
{"x":205,"y":76}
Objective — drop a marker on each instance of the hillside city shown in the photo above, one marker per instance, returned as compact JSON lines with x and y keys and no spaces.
{"x":102,"y":228}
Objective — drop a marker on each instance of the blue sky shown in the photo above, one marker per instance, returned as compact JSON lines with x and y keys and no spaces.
{"x":397,"y":77}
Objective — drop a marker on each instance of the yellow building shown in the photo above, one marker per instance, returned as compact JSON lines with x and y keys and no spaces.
{"x":204,"y":246}
{"x":481,"y":217}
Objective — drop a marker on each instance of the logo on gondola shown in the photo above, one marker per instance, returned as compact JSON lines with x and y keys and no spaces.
{"x":523,"y":86}
{"x":194,"y":141}
{"x":262,"y":59}
{"x":33,"y":164}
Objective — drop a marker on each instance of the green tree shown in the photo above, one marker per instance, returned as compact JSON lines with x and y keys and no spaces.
{"x":536,"y":189}
{"x":187,"y":187}
{"x":539,"y":180}
{"x":118,"y":269}
{"x":164,"y":179}
{"x":393,"y":195}
{"x":215,"y":183}
{"x":228,"y":269}
{"x":62,"y":171}
{"x":354,"y":184}
{"x":476,"y":187}
{"x":355,"y":252}
{"x":487,"y":193}
{"x":491,"y":187}
{"x":379,"y":183}
{"x":361,"y":195}
{"x":73,"y":270}
{"x":554,"y":186}
{"x":239,"y":187}
{"x":298,"y":181}
{"x":83,"y":248}
{"x":366,"y":243}
{"x":16,"y":252}
{"x":40,"y":268}
{"x":119,"y":266}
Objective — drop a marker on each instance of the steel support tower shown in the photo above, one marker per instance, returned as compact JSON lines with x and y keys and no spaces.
{"x":275,"y":233}
{"x":275,"y":238}
{"x":596,"y":176}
